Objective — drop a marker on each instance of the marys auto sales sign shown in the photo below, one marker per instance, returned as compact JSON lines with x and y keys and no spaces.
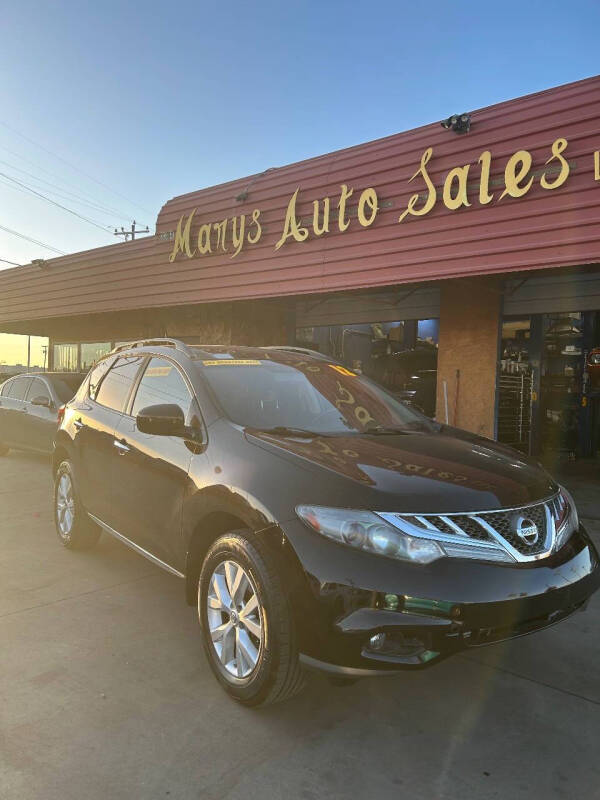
{"x":232,"y":235}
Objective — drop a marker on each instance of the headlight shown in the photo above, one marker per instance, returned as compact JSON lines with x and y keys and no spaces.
{"x":566,"y":520}
{"x":366,"y":531}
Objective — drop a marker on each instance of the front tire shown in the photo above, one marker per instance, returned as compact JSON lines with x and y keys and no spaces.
{"x":247,"y":627}
{"x":74,"y":528}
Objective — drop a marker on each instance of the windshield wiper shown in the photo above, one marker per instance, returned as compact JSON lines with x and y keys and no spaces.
{"x":383,"y":430}
{"x":283,"y":430}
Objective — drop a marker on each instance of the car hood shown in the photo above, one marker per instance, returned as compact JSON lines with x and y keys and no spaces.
{"x":419,"y":472}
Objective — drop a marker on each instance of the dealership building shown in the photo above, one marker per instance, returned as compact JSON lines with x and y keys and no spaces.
{"x":457,"y":263}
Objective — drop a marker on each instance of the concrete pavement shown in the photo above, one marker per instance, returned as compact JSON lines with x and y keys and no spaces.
{"x":105,"y":693}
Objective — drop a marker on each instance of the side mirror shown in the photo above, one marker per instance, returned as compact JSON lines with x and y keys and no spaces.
{"x":42,"y":400}
{"x":166,"y":419}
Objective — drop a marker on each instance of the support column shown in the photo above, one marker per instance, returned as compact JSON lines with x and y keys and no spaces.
{"x":469,"y":341}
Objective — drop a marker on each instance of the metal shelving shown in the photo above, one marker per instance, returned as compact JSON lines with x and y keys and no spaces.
{"x":514,"y":410}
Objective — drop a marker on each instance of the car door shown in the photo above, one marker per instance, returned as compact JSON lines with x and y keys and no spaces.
{"x":95,"y":420}
{"x":150,"y":478}
{"x":13,"y":406}
{"x":40,"y":421}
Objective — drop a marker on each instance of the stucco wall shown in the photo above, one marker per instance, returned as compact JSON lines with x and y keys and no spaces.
{"x":470,"y":314}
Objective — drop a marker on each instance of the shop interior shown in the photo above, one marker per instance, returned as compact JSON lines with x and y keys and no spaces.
{"x":400,"y":355}
{"x":549,"y":399}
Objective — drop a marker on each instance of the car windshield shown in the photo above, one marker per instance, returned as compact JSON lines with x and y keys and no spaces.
{"x":284,"y":391}
{"x":66,"y":386}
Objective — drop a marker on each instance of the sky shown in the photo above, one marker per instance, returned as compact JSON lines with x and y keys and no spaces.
{"x":112,"y":108}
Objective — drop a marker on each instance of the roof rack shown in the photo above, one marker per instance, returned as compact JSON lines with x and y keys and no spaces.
{"x":307,"y":351}
{"x":175,"y":343}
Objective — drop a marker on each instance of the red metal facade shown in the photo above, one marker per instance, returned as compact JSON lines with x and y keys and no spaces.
{"x":543,"y":229}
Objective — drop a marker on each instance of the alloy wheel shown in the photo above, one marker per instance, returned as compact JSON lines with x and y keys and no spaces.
{"x":235,"y":619}
{"x":65,"y":505}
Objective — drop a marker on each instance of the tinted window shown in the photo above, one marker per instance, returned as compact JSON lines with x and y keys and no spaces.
{"x":162,"y":383}
{"x":18,"y":388}
{"x":37,"y":389}
{"x":96,"y":376}
{"x":66,"y":386}
{"x":116,"y":384}
{"x":304,"y":393}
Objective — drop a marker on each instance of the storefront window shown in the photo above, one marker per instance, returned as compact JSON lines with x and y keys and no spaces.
{"x":549,"y":398}
{"x":91,"y":352}
{"x":515,"y":385}
{"x":65,"y":357}
{"x":563,"y":368}
{"x":401,"y":355}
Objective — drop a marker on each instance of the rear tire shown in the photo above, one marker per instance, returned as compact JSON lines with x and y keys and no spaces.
{"x":247,"y":627}
{"x":74,"y":528}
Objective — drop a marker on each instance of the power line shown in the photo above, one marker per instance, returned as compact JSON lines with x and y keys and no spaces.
{"x":70,"y":196}
{"x":77,"y":169}
{"x":132,"y":232}
{"x":53,"y":175}
{"x":64,"y":192}
{"x":54,"y":203}
{"x":14,"y":263}
{"x":33,"y":241}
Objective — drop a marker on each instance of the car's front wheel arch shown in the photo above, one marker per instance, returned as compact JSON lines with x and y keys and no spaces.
{"x":206,"y":531}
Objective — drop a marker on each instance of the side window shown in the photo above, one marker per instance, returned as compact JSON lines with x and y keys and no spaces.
{"x":96,"y":376}
{"x":37,"y":388}
{"x":18,"y":389}
{"x":162,"y":383}
{"x":6,"y":388}
{"x":114,"y":388}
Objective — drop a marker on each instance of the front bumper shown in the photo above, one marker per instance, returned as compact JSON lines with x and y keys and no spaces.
{"x":443,"y":608}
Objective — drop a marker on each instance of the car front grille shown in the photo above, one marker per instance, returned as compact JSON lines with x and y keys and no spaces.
{"x":505,"y":524}
{"x":517,"y":534}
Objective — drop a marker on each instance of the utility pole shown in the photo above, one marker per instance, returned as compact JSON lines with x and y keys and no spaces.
{"x":131,"y":233}
{"x":28,"y":353}
{"x":45,"y":352}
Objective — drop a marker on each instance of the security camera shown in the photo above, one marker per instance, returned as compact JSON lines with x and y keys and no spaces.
{"x":459,"y":123}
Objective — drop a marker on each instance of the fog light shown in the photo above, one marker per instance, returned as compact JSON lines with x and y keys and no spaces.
{"x":428,"y":655}
{"x":377,"y":642}
{"x":391,"y":602}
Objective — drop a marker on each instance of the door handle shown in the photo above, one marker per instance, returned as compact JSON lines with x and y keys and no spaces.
{"x":121,"y":447}
{"x":78,"y":424}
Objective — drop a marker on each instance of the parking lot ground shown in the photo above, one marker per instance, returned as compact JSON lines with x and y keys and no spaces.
{"x":105,"y":694}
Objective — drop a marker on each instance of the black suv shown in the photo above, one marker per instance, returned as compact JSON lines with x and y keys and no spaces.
{"x":315,"y":519}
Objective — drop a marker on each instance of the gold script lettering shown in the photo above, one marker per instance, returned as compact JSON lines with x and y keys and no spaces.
{"x":291,"y":226}
{"x":514,"y":176}
{"x":319,"y":230}
{"x":367,"y":198}
{"x":362,"y":415}
{"x":221,"y":228}
{"x":204,"y":239}
{"x":342,"y":221}
{"x":238,"y":239}
{"x":460,"y":174}
{"x":431,"y":194}
{"x":485,"y":159}
{"x":253,"y":238}
{"x":182,"y":238}
{"x":558,"y":147}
